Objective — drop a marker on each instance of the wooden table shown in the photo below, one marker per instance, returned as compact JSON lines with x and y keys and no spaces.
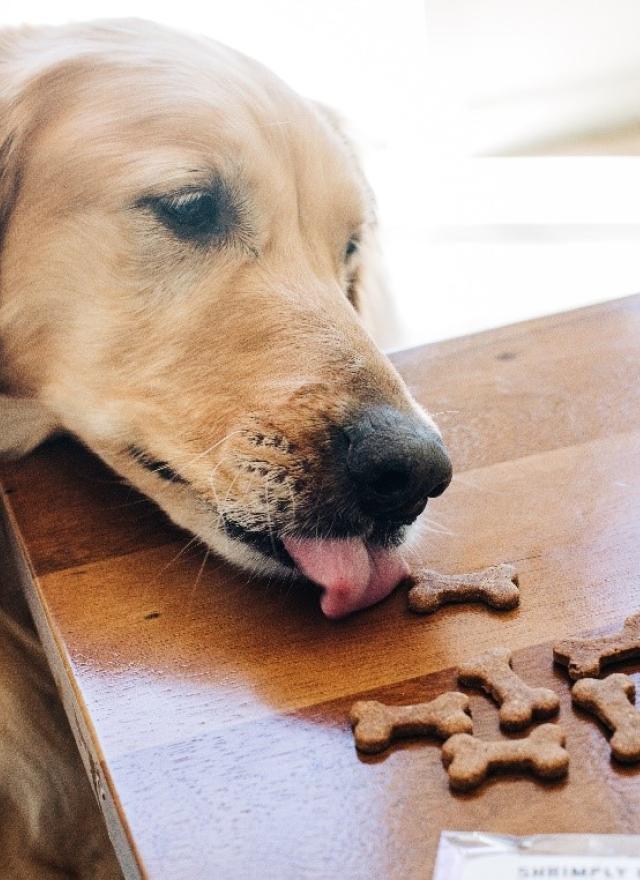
{"x":212,"y":713}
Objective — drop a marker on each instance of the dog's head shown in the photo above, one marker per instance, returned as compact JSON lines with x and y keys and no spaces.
{"x":186,"y":245}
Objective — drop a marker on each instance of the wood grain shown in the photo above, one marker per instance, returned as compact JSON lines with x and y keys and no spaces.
{"x":211,"y":712}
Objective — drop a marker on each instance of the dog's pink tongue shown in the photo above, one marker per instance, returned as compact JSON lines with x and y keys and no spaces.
{"x":353,"y":575}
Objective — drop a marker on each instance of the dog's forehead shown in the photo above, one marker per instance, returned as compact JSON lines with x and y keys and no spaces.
{"x":164,"y":122}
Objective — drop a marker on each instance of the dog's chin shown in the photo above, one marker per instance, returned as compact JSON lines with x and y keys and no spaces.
{"x":354,"y":571}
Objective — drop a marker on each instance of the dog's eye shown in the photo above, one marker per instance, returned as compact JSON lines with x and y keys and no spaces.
{"x":190,"y":214}
{"x":202,"y":215}
{"x":351,"y":248}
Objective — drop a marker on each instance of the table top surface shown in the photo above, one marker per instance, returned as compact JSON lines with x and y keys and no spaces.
{"x":212,"y":712}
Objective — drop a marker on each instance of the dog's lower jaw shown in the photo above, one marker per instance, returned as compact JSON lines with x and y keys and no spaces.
{"x":241,"y":554}
{"x":185,"y":508}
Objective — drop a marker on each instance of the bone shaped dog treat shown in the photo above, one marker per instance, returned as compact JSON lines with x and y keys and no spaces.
{"x":496,"y":586}
{"x":375,"y":724}
{"x":586,"y":657}
{"x":519,"y":703}
{"x":611,"y":700}
{"x":469,"y":760}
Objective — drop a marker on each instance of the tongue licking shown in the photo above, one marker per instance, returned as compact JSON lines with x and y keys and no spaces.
{"x":353,"y":574}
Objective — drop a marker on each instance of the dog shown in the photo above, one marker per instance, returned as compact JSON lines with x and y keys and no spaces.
{"x":189,"y":281}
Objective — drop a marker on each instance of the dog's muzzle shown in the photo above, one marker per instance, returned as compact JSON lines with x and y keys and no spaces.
{"x":394,"y":463}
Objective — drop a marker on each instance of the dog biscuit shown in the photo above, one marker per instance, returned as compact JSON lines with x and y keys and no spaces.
{"x":519,"y":703}
{"x":586,"y":657}
{"x":611,"y":700}
{"x":469,"y":760}
{"x":496,"y":586}
{"x":376,"y":724}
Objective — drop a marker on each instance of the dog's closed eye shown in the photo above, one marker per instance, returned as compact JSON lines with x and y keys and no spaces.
{"x":190,"y":213}
{"x":211,"y":215}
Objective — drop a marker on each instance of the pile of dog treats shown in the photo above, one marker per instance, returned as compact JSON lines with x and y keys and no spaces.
{"x":469,"y":760}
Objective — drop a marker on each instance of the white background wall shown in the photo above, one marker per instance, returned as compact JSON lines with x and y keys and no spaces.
{"x":470,"y":243}
{"x":510,"y":238}
{"x":509,"y":74}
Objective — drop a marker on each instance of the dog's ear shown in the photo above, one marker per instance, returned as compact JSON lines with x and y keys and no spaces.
{"x":24,"y":422}
{"x":371,"y":295}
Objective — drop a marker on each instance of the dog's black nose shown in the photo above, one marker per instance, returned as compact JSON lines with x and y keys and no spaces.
{"x":396,"y":463}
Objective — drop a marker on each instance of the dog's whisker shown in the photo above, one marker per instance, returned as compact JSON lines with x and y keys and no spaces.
{"x":468,"y":484}
{"x":223,"y":508}
{"x":188,"y":460}
{"x":193,"y":540}
{"x":213,"y":446}
{"x":151,"y":583}
{"x":215,"y":470}
{"x":218,"y":510}
{"x":436,"y":529}
{"x":429,"y":519}
{"x":197,"y":580}
{"x":268,"y":515}
{"x":410,"y":553}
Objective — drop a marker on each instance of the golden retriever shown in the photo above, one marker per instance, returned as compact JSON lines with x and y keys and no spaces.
{"x":188,"y":279}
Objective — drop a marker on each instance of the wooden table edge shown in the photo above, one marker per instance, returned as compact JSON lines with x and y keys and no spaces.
{"x":515,"y":328}
{"x":75,"y":709}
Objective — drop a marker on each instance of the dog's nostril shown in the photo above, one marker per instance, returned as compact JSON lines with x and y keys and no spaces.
{"x":391,"y":481}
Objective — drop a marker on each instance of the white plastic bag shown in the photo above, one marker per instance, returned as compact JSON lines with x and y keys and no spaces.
{"x":478,"y":856}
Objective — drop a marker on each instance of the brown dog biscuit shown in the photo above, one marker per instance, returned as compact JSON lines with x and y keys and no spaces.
{"x":375,"y":724}
{"x":496,"y":586}
{"x":586,"y":657}
{"x":610,"y":699}
{"x":519,"y":703}
{"x":469,"y":760}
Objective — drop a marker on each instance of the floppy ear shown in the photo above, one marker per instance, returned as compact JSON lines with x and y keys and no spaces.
{"x":24,"y":423}
{"x":372,"y":297}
